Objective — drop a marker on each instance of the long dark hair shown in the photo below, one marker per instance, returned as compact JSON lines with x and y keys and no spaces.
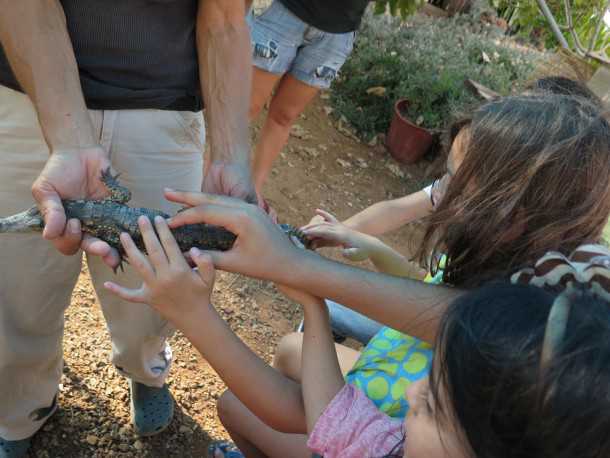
{"x":535,"y":177}
{"x":487,"y":364}
{"x":563,"y":86}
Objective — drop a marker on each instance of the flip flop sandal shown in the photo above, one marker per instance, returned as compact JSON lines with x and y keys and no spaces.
{"x":227,"y":450}
{"x":152,"y":409}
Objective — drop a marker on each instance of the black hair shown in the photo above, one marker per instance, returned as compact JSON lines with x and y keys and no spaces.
{"x":560,"y":85}
{"x":487,"y":363}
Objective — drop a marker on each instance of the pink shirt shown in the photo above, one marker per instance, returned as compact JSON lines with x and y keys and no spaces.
{"x":352,"y":427}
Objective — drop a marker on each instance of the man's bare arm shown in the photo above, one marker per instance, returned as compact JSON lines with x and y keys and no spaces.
{"x":223,"y":47}
{"x":36,"y":42}
{"x":35,"y":39}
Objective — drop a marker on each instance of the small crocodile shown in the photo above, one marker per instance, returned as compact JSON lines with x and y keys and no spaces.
{"x":106,"y":219}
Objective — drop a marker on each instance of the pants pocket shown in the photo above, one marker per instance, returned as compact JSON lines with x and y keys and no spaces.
{"x":193,"y":125}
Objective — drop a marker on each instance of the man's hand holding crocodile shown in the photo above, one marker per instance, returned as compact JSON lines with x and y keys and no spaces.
{"x":51,"y":80}
{"x":72,"y":174}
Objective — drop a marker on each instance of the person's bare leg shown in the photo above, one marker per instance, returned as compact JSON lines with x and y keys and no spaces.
{"x":262,"y":84}
{"x":253,"y":437}
{"x":287,"y":357}
{"x":288,"y":102}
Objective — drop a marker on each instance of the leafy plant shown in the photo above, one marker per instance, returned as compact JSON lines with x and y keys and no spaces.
{"x":584,"y":17}
{"x":425,"y":61}
{"x":403,"y":7}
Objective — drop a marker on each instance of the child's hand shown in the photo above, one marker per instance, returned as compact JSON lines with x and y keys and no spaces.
{"x":331,"y":232}
{"x":302,"y":297}
{"x":170,"y":286}
{"x":321,"y":217}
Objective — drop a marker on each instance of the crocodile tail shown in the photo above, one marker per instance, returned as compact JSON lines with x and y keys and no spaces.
{"x":27,"y":221}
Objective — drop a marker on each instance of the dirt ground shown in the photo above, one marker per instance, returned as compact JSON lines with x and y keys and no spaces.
{"x":321,"y":167}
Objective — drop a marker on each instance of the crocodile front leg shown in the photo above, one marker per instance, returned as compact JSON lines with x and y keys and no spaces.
{"x":118,"y":193}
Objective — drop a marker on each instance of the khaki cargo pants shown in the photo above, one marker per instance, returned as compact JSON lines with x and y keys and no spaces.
{"x":151,"y":149}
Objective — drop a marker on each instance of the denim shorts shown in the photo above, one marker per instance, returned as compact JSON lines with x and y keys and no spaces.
{"x":346,"y":322}
{"x":283,"y":43}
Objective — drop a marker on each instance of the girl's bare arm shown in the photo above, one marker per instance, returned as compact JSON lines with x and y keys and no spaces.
{"x":388,"y":215}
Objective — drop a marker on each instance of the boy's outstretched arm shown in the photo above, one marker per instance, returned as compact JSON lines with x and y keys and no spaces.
{"x":263,"y":251}
{"x":182,"y":296}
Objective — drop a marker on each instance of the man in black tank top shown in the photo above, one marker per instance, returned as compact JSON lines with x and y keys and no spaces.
{"x":87,"y":84}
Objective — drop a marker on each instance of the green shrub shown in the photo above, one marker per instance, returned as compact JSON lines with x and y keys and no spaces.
{"x":426,"y":61}
{"x":525,"y":18}
{"x":396,"y":7}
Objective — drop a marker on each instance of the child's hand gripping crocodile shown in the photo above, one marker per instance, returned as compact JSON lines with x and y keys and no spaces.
{"x":107,"y":219}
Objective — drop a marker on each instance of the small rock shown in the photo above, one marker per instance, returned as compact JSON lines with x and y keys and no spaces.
{"x":328,"y":110}
{"x":325,"y":96}
{"x":395,"y":170}
{"x":123,"y":447}
{"x":185,"y":430}
{"x":138,"y":445}
{"x":343,"y":129}
{"x":91,"y":439}
{"x":300,"y":132}
{"x":343,"y":163}
{"x":309,"y":151}
{"x":362,"y":163}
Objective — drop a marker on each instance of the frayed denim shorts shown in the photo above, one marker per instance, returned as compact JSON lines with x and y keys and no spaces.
{"x":283,"y":43}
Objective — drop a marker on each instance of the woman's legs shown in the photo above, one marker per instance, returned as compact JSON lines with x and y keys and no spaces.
{"x":287,"y":357}
{"x":253,"y":437}
{"x":288,"y":102}
{"x":262,"y":84}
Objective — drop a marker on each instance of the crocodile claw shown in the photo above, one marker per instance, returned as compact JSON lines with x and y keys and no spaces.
{"x":120,"y":266}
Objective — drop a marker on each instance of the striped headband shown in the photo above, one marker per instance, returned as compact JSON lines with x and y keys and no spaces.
{"x":587,"y":268}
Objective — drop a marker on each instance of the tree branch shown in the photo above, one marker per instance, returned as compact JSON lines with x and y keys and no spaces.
{"x":598,"y":26}
{"x":580,"y":49}
{"x":553,"y":23}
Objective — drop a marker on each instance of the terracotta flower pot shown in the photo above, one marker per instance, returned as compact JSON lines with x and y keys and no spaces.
{"x":406,"y":141}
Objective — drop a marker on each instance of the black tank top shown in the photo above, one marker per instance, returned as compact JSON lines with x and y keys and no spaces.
{"x":132,"y":53}
{"x":332,"y":16}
